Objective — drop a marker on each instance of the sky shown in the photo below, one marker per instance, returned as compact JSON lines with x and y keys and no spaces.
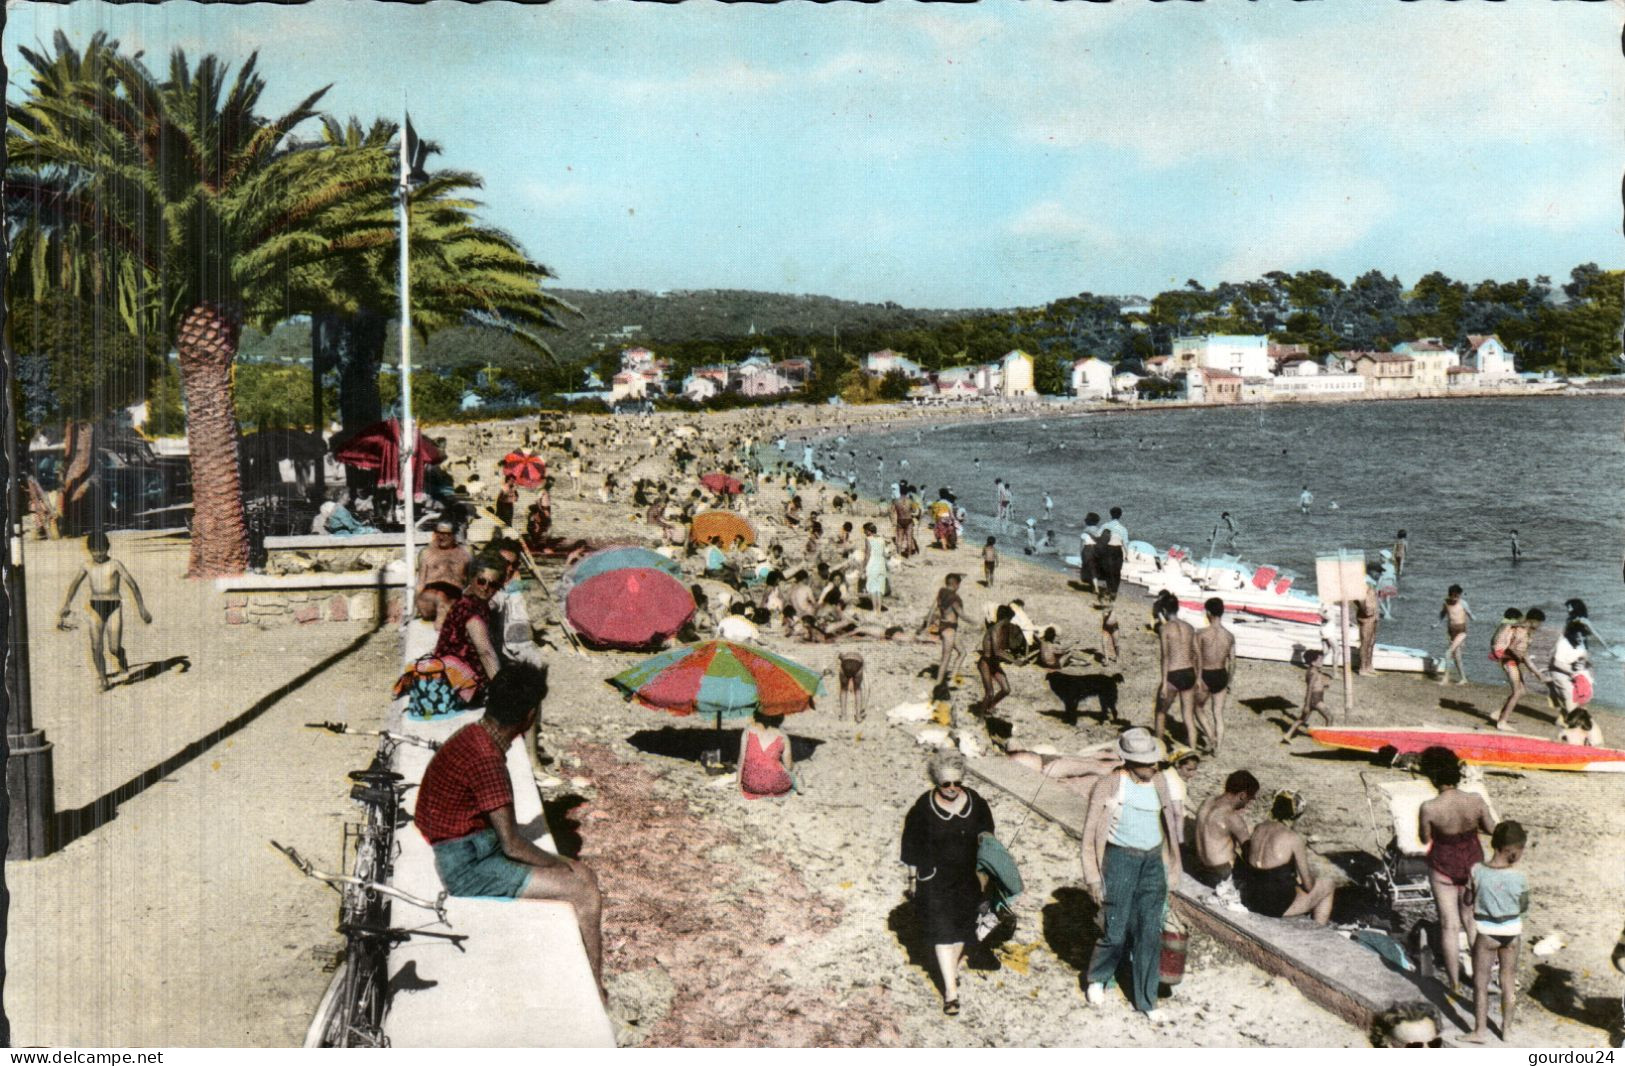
{"x":997,"y":154}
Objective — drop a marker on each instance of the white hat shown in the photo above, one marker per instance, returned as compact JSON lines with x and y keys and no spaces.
{"x":1139,"y":746}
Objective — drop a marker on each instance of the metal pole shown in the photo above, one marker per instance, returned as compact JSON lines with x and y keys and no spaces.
{"x":30,"y":787}
{"x":1348,"y":669}
{"x":409,"y":436}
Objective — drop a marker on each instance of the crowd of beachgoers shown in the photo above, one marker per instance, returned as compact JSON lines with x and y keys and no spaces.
{"x":930,"y":644}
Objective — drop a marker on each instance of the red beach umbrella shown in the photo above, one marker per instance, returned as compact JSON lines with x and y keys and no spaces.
{"x":717,"y":481}
{"x":526,"y":468}
{"x":377,"y":447}
{"x":631,"y":608}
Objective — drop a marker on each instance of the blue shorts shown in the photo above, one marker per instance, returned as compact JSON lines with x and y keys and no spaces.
{"x":474,"y":865}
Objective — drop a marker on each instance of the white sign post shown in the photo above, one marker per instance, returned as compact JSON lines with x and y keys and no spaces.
{"x":1340,"y":579}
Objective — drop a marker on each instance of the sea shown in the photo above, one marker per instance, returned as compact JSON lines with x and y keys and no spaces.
{"x":1457,"y":475}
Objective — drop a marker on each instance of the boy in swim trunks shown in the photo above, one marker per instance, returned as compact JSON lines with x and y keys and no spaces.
{"x":995,"y":653}
{"x":1216,"y":652}
{"x":1454,"y":614}
{"x":1315,"y":683}
{"x":990,"y":559}
{"x":1500,"y":896}
{"x":104,"y":608}
{"x":1180,"y":660}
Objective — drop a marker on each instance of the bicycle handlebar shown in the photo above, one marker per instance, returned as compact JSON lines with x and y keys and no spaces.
{"x":336,"y":881}
{"x":393,"y":738}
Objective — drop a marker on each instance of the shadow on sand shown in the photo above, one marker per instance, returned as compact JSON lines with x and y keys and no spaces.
{"x":69,"y":826}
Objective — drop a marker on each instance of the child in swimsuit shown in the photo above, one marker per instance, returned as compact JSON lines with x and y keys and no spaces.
{"x":851,"y":670}
{"x":1315,"y":683}
{"x":1455,"y":613}
{"x":106,"y":576}
{"x":1500,"y":896}
{"x":990,"y":559}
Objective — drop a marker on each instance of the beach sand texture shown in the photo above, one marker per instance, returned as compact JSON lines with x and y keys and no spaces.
{"x":726,"y":922}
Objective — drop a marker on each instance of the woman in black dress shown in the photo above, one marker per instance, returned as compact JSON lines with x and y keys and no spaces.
{"x":940,"y":836}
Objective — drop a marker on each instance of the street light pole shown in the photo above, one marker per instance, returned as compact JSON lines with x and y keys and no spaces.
{"x":30,"y":800}
{"x":409,"y":436}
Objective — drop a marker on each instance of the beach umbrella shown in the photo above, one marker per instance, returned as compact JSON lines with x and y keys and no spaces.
{"x":724,"y":524}
{"x":721,"y":678}
{"x":630,"y":608}
{"x":525,"y":467}
{"x":620,"y":557}
{"x":717,"y":481}
{"x":377,"y":447}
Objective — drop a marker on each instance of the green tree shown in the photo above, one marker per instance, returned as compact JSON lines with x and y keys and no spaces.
{"x":176,"y":197}
{"x":1050,"y":375}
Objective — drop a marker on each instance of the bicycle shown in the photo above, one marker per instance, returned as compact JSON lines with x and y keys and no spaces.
{"x":351,"y":1011}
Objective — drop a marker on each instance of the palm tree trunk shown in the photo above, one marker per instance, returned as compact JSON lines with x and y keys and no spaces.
{"x":82,"y":508}
{"x":207,"y":344}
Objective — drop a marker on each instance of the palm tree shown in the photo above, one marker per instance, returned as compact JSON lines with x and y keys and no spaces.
{"x":191,"y":209}
{"x":462,"y":272}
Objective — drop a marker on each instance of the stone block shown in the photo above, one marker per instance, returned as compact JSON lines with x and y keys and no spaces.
{"x":308,"y":613}
{"x":338,"y":609}
{"x":363,"y":607}
{"x":235,"y":616}
{"x":237,"y":599}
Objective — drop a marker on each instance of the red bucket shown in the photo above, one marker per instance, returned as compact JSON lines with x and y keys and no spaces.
{"x":1174,"y":945}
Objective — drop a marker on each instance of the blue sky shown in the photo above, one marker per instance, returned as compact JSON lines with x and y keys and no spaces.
{"x":993,"y":154}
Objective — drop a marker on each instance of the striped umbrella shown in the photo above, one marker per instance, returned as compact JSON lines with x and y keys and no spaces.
{"x":722,"y":678}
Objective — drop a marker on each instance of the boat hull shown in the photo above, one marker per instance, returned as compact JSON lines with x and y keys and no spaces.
{"x":1515,"y":750}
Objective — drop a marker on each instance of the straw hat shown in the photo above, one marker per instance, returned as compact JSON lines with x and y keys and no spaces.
{"x":1139,"y":746}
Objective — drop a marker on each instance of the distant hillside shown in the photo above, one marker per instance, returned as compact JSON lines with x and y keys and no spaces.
{"x":627,"y":316}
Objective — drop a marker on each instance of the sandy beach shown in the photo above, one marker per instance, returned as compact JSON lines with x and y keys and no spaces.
{"x":727,"y":922}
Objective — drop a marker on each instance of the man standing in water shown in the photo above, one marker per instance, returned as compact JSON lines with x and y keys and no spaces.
{"x":1516,"y":553}
{"x":105,"y":605}
{"x":1177,"y":641}
{"x":1305,"y":498}
{"x":1225,"y":530}
{"x":1216,"y":651}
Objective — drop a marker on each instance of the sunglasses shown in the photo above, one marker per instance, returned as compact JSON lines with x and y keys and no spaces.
{"x":486,"y":583}
{"x":1437,"y":1041}
{"x":951,"y":784}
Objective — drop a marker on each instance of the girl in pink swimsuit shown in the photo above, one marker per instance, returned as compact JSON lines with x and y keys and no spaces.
{"x":765,"y":762}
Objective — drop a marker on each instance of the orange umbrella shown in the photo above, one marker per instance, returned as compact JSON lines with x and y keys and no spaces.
{"x":526,"y":467}
{"x":724,"y":524}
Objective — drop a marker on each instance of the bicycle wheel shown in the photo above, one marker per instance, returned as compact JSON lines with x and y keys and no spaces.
{"x":372,"y":999}
{"x":327,"y":1026}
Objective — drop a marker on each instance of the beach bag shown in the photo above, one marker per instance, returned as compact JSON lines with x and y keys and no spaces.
{"x":1004,"y":877}
{"x":1582,"y":689}
{"x":1175,"y":944}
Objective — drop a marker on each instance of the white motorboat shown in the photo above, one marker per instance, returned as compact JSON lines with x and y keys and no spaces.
{"x":1259,"y":637}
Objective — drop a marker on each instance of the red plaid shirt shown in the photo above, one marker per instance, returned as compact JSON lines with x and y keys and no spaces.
{"x":466,"y":779}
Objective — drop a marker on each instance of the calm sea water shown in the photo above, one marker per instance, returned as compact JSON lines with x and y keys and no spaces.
{"x":1457,"y":475}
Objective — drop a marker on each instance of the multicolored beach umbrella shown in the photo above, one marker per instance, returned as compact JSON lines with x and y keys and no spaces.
{"x":526,"y":467}
{"x":722,"y":678}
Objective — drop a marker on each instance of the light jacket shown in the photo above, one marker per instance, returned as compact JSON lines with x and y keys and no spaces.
{"x":1104,"y":806}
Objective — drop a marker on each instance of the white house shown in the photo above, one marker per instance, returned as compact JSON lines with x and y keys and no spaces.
{"x":636,"y":358}
{"x":1126,"y":386}
{"x":885,"y":361}
{"x":1488,"y":356}
{"x":1307,"y":384}
{"x":1301,"y":368}
{"x":988,"y":378}
{"x":628,"y":385}
{"x":958,"y":382}
{"x":1091,"y":378}
{"x":1245,"y":356}
{"x":1466,"y":377}
{"x":1016,"y":374}
{"x":699,"y":389}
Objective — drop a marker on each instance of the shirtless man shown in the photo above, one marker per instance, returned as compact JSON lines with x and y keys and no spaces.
{"x":946,"y":612}
{"x":1274,"y":875}
{"x":995,"y":653}
{"x":104,"y":607}
{"x":1216,"y":650}
{"x":1454,"y":614}
{"x":1221,"y":830}
{"x":1180,"y":661}
{"x":1366,"y":610}
{"x":444,"y":559}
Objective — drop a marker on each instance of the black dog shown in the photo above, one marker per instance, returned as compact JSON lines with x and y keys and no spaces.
{"x":1073,"y":689}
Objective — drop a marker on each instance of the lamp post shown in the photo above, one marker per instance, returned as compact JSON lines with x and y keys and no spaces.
{"x":30,"y":789}
{"x":413,"y":154}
